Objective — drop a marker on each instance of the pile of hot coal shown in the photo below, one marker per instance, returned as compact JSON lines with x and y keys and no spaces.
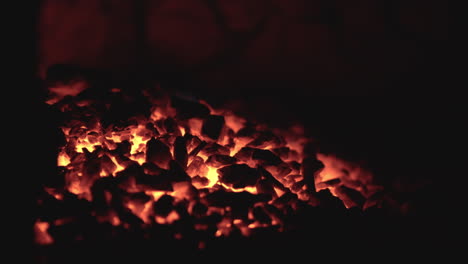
{"x":162,"y":162}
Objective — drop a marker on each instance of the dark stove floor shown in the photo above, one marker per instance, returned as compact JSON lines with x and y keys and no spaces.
{"x":330,"y":236}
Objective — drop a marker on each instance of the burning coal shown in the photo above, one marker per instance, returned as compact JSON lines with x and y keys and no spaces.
{"x":160,"y":162}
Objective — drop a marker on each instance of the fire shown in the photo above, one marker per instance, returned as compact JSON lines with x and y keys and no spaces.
{"x":212,"y":176}
{"x":188,"y":160}
{"x":63,"y":159}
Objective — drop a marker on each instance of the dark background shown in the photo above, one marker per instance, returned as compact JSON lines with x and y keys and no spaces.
{"x":370,"y":80}
{"x":256,"y":48}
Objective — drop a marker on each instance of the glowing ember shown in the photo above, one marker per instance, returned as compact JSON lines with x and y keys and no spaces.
{"x":63,"y":159}
{"x":42,"y":237}
{"x":189,"y":162}
{"x":212,"y":176}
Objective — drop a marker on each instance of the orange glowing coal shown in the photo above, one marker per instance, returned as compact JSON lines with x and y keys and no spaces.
{"x":186,"y":160}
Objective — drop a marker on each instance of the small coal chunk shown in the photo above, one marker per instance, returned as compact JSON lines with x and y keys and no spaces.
{"x":185,"y":221}
{"x":285,"y":199}
{"x":91,"y":170}
{"x":145,"y":133}
{"x":200,"y":180}
{"x":374,"y":201}
{"x":265,"y":186}
{"x":212,"y":126}
{"x":93,"y":137}
{"x":152,"y":169}
{"x":295,"y":166}
{"x":92,"y":155}
{"x":282,"y":152}
{"x":168,"y":139}
{"x":223,"y":198}
{"x":311,"y":166}
{"x":150,"y":126}
{"x":126,"y":178}
{"x":78,"y":130}
{"x":214,"y":148}
{"x":98,"y":191}
{"x":329,"y":201}
{"x":230,"y":134}
{"x":192,"y":142}
{"x":170,"y":125}
{"x":107,"y":165}
{"x":158,"y":153}
{"x":307,"y":196}
{"x":279,"y":171}
{"x":180,"y":151}
{"x":332,"y":182}
{"x":238,"y":175}
{"x":139,"y":197}
{"x":261,"y":215}
{"x":185,"y":190}
{"x":274,"y":212}
{"x":122,"y":111}
{"x":125,"y":161}
{"x":266,"y":157}
{"x":297,"y":186}
{"x":244,"y":154}
{"x":187,"y":109}
{"x":248,"y":131}
{"x":159,"y":125}
{"x":162,"y":181}
{"x":123,"y":148}
{"x":350,"y":197}
{"x":177,"y":173}
{"x":197,"y":149}
{"x":164,"y":205}
{"x":126,"y":216}
{"x":266,"y":139}
{"x":274,"y":182}
{"x":197,"y":167}
{"x":290,"y":179}
{"x":133,"y":170}
{"x":199,"y":210}
{"x":218,"y":160}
